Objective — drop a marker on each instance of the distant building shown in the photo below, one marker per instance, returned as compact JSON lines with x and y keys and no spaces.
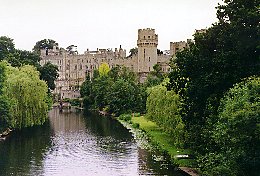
{"x":73,"y":67}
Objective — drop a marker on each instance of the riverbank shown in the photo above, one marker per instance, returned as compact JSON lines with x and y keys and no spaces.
{"x":5,"y":133}
{"x":163,"y":141}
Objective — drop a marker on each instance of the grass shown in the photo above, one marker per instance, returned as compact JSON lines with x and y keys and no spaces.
{"x":163,"y":141}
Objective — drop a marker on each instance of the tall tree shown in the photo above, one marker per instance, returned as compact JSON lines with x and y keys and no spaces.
{"x":72,"y":49}
{"x":49,"y":73}
{"x":6,"y":47}
{"x":27,"y":95}
{"x":4,"y":105}
{"x":44,"y":44}
{"x":237,"y":127}
{"x":226,"y":53}
{"x":23,"y":57}
{"x":133,"y":51}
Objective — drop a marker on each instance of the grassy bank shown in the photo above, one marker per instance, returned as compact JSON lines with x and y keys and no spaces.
{"x":164,"y":141}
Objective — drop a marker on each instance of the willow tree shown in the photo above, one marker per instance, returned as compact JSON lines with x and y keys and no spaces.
{"x":27,"y":95}
{"x":164,"y":108}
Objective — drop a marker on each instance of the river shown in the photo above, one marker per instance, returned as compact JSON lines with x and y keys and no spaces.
{"x":75,"y":144}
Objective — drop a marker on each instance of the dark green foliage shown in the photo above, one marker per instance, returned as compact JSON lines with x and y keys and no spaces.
{"x":49,"y":73}
{"x":4,"y":112}
{"x":236,"y":132}
{"x":85,"y":92}
{"x":100,"y":89}
{"x":116,"y":92}
{"x":135,"y":125}
{"x":44,"y":44}
{"x":152,"y":81}
{"x":18,"y":58}
{"x":6,"y":47}
{"x":4,"y":104}
{"x":133,"y":52}
{"x":155,"y":77}
{"x":22,"y":57}
{"x":72,"y":49}
{"x":122,"y":97}
{"x":125,"y":117}
{"x":226,"y":53}
{"x":75,"y":102}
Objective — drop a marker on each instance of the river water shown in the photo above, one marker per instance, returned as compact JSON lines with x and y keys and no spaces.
{"x":75,"y":144}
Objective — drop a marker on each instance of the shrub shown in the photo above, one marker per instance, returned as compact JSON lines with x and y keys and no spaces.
{"x":125,"y":117}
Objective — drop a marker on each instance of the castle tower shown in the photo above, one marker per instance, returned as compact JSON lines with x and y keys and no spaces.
{"x":147,"y":50}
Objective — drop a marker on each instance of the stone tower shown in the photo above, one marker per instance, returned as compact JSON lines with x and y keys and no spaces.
{"x":147,"y":50}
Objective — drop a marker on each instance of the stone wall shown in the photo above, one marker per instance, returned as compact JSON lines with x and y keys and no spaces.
{"x":73,"y":67}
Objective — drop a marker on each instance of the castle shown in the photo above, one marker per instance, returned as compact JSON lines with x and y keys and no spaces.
{"x":73,"y":67}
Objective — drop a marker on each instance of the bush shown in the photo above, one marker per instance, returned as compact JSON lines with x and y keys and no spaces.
{"x":75,"y":102}
{"x":136,"y":125}
{"x":137,"y":114}
{"x":236,"y":133}
{"x":125,"y":117}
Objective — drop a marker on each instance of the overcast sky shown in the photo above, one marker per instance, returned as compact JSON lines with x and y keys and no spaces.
{"x":102,"y":23}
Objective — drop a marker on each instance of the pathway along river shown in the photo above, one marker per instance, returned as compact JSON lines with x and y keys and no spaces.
{"x":75,"y":144}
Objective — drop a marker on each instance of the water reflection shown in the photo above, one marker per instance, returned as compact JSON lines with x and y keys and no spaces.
{"x":74,"y":143}
{"x":22,"y":153}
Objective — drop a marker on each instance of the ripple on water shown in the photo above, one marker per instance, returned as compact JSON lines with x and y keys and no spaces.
{"x":74,"y":145}
{"x":99,"y":154}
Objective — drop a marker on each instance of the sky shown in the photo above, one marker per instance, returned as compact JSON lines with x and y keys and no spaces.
{"x":102,"y":23}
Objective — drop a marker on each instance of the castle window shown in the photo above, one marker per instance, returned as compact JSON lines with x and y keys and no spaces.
{"x":80,"y":67}
{"x":144,"y":51}
{"x":75,"y":67}
{"x":144,"y":37}
{"x":148,"y":36}
{"x":149,"y":68}
{"x":149,"y":59}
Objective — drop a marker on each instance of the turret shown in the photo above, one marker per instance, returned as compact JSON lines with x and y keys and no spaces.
{"x":147,"y":50}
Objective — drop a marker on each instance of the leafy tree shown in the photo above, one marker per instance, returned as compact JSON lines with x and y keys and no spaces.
{"x":49,"y":73}
{"x":133,"y":51}
{"x":159,"y":52}
{"x":44,"y":44}
{"x":100,"y":88}
{"x":86,"y":92}
{"x":114,"y":73}
{"x":72,"y":49}
{"x":22,"y":57}
{"x":27,"y":95}
{"x":4,"y":108}
{"x":115,"y":90}
{"x":154,"y":77}
{"x":237,"y":132}
{"x":121,"y":97}
{"x":6,"y":47}
{"x":163,"y":107}
{"x":152,"y":80}
{"x":226,"y":53}
{"x":103,"y":69}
